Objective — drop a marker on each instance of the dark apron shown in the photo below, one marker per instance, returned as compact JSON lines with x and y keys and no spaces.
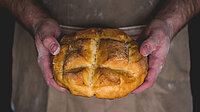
{"x":170,"y":93}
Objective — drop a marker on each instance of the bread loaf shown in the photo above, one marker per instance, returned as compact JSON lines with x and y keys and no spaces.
{"x":99,"y":62}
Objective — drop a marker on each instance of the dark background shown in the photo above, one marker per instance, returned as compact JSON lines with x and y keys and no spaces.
{"x":194,"y":41}
{"x":6,"y":35}
{"x":6,"y":41}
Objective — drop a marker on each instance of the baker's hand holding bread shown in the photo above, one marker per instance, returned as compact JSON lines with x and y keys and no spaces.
{"x":46,"y":33}
{"x":155,"y":46}
{"x":158,"y":34}
{"x":169,"y":20}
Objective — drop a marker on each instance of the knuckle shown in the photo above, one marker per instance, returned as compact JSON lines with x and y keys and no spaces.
{"x":47,"y":28}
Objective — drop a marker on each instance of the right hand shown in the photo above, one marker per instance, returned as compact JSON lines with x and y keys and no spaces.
{"x":156,"y":46}
{"x":46,"y":33}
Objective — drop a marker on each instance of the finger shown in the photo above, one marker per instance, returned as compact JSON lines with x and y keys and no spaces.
{"x":44,"y":62}
{"x":45,"y":65}
{"x":52,"y":45}
{"x":147,"y":84}
{"x":43,"y":59}
{"x":155,"y":66}
{"x":148,"y":46}
{"x":56,"y":86}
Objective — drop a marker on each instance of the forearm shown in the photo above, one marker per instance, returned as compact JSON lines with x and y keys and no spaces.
{"x":176,"y":13}
{"x":27,"y":11}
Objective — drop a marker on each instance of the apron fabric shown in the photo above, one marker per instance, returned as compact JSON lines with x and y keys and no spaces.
{"x":170,"y":93}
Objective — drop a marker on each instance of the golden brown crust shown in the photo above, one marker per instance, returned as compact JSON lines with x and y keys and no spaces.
{"x":101,"y":62}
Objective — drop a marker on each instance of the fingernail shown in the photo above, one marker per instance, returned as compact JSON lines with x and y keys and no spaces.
{"x":54,"y":49}
{"x":146,"y":50}
{"x":57,"y":51}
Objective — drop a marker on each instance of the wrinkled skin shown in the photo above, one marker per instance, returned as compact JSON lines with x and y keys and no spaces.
{"x":46,"y":33}
{"x":156,"y":46}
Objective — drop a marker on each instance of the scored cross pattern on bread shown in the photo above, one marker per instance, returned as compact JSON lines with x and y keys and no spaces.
{"x":101,"y":62}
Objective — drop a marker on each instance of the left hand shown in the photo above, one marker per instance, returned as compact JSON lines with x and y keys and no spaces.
{"x":46,"y":33}
{"x":155,"y":46}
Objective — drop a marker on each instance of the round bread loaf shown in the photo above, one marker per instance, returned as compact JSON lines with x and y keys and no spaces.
{"x":101,"y":62}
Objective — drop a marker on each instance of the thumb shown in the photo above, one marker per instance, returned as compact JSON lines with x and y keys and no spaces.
{"x":148,"y":46}
{"x":52,"y":45}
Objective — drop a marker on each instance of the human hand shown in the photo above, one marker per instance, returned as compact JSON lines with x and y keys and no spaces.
{"x":156,"y":46}
{"x":46,"y":33}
